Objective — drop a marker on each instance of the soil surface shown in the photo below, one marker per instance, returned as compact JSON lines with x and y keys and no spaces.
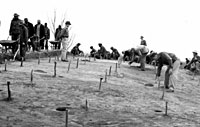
{"x":129,"y":97}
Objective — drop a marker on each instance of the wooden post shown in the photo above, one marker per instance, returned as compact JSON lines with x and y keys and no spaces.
{"x":100,"y":84}
{"x":106,"y":76}
{"x":166,"y":108}
{"x":5,"y":64}
{"x":9,"y":92}
{"x":116,"y":67}
{"x":39,"y":59}
{"x":32,"y":76}
{"x":49,"y":59}
{"x":55,"y":68}
{"x":77,"y":62}
{"x":69,"y":66}
{"x":163,"y":93}
{"x":89,"y":58}
{"x":86,"y":105}
{"x":110,"y":70}
{"x":66,"y":118}
{"x":22,"y":59}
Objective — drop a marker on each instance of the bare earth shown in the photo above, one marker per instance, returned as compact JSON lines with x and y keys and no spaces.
{"x":124,"y":100}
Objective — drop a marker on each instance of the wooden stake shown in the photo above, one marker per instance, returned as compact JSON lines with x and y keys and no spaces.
{"x":110,"y":70}
{"x":58,"y":58}
{"x":100,"y":84}
{"x":106,"y":76}
{"x":116,"y":67}
{"x":89,"y":58}
{"x":66,"y":118}
{"x":39,"y":59}
{"x":166,"y":108}
{"x":55,"y":68}
{"x":5,"y":64}
{"x":22,"y":61}
{"x":32,"y":76}
{"x":163,"y":93}
{"x":86,"y":105}
{"x":9,"y":92}
{"x":49,"y":59}
{"x":69,"y":66}
{"x":77,"y":62}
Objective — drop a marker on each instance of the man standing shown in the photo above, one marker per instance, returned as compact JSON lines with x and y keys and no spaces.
{"x":64,"y":35}
{"x":40,"y":34}
{"x":57,"y":37}
{"x":23,"y":40}
{"x":47,"y":35}
{"x":143,"y":42}
{"x":30,"y":32}
{"x":14,"y":31}
{"x":173,"y":64}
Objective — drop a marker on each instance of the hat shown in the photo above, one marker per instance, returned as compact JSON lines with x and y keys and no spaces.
{"x":195,"y":51}
{"x":78,"y":44}
{"x":141,"y":37}
{"x":67,"y":23}
{"x":100,"y":44}
{"x":111,"y":47}
{"x":16,"y":15}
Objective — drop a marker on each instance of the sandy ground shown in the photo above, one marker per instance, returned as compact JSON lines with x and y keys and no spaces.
{"x":123,"y":101}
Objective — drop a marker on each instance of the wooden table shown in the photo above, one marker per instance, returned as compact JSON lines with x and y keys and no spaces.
{"x":8,"y":44}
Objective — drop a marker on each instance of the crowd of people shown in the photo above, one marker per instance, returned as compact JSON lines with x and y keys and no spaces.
{"x":40,"y":34}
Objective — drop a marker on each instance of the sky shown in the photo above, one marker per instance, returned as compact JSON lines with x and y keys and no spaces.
{"x":167,"y":25}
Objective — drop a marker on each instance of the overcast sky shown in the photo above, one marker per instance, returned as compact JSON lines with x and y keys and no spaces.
{"x":167,"y":25}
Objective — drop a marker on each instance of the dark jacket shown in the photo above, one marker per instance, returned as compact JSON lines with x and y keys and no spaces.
{"x":143,"y":42}
{"x":64,"y":33}
{"x":14,"y":26}
{"x":30,"y":29}
{"x":165,"y":58}
{"x":23,"y":35}
{"x":47,"y":32}
{"x":57,"y":33}
{"x":42,"y":31}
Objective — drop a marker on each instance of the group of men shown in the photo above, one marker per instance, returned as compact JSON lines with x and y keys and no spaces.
{"x":23,"y":30}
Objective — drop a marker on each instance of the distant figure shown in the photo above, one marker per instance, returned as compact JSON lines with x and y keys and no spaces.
{"x":142,"y":52}
{"x":115,"y":54}
{"x":173,"y":64}
{"x":47,"y":36}
{"x":57,"y":37}
{"x":195,"y":62}
{"x":149,"y":58}
{"x":143,"y":42}
{"x":92,"y":52}
{"x":14,"y":31}
{"x":64,"y":35}
{"x":102,"y":52}
{"x":75,"y":50}
{"x":30,"y":33}
{"x":187,"y":60}
{"x":23,"y":39}
{"x":40,"y":35}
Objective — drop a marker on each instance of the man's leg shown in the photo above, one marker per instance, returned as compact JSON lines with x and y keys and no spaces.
{"x":167,"y":76}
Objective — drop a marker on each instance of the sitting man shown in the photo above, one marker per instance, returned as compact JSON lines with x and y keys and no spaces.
{"x":92,"y":52}
{"x":75,"y":50}
{"x":102,"y":52}
{"x":115,"y":54}
{"x":173,"y":64}
{"x":195,"y":62}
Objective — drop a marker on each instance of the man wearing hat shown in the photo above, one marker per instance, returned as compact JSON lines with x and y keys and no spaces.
{"x":143,"y":42}
{"x":14,"y":31}
{"x":195,"y":60}
{"x":64,"y":35}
